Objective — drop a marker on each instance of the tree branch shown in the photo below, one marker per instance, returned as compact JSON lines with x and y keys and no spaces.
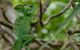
{"x":4,"y":23}
{"x":4,"y":15}
{"x":40,"y":11}
{"x":60,"y":13}
{"x":7,"y":35}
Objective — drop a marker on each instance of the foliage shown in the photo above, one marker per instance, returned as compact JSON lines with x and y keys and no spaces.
{"x":55,"y":29}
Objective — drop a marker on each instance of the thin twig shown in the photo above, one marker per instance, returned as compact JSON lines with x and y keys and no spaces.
{"x":60,"y":13}
{"x":45,"y":44}
{"x":39,"y":42}
{"x":76,"y":31}
{"x":68,"y":34}
{"x":71,"y":32}
{"x":46,"y":4}
{"x":52,"y":43}
{"x":75,"y":47}
{"x":64,"y":45}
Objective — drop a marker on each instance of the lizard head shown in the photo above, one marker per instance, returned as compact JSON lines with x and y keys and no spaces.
{"x":25,"y":9}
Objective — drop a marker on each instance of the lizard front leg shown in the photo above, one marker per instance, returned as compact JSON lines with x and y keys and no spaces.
{"x":27,"y":39}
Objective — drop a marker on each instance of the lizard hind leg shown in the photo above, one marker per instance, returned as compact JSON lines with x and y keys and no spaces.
{"x":27,"y":40}
{"x":25,"y":46}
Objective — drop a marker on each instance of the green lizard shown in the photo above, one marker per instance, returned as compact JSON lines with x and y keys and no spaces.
{"x":22,"y":28}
